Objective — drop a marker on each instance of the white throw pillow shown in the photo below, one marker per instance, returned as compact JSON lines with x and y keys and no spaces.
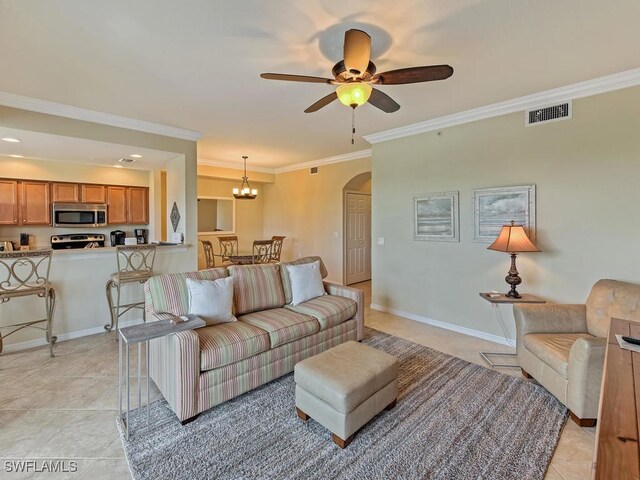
{"x":306,"y":282}
{"x":211,"y":300}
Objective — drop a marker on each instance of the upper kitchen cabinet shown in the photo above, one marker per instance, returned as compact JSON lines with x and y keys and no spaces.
{"x":128,"y":205}
{"x":35,"y":200}
{"x":65,"y":192}
{"x":93,"y":193}
{"x":116,"y":205}
{"x":8,"y":202}
{"x":138,"y":205}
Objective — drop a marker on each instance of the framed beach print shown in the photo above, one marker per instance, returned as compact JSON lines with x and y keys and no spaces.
{"x":495,"y":207}
{"x":436,"y":217}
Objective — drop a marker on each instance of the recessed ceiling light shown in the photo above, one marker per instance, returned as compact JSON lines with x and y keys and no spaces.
{"x":118,"y":166}
{"x":12,"y":140}
{"x":17,"y":156}
{"x":135,"y":155}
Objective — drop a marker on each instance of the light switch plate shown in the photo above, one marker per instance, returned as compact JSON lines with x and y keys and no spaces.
{"x":380,"y":240}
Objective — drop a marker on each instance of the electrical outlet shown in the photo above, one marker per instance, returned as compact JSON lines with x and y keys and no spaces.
{"x":380,"y":240}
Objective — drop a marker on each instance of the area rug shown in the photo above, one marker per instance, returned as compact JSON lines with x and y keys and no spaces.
{"x":453,"y":420}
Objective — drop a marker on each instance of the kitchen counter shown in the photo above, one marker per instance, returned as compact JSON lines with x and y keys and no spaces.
{"x":85,"y":253}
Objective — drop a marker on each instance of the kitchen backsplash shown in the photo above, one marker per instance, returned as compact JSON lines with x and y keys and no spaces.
{"x":40,"y":236}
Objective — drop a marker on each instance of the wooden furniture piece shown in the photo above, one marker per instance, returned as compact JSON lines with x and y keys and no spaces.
{"x":24,"y":274}
{"x":497,"y":299}
{"x":262,"y":251}
{"x":135,"y":264}
{"x":137,"y":334}
{"x":9,"y":202}
{"x":209,"y":256}
{"x":617,"y":454}
{"x":90,"y":193}
{"x":35,"y":203}
{"x":117,"y":205}
{"x":276,"y":247}
{"x":65,"y":192}
{"x":228,"y":247}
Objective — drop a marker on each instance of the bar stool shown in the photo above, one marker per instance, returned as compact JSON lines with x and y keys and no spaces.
{"x":27,"y":273}
{"x":135,"y":264}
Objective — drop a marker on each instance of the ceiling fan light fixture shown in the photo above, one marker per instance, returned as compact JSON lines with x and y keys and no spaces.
{"x":354,"y":94}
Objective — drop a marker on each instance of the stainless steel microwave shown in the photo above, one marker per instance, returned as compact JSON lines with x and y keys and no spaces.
{"x":79,"y":215}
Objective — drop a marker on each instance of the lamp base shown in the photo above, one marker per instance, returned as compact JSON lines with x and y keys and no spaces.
{"x":513,"y":278}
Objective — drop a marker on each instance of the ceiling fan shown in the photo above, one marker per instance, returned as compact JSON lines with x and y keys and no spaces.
{"x":356,"y":74}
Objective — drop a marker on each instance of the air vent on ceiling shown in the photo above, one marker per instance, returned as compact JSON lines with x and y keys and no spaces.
{"x":552,"y":113}
{"x":313,"y":171}
{"x":126,"y":160}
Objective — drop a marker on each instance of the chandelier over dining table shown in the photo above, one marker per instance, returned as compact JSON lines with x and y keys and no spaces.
{"x":245,"y":192}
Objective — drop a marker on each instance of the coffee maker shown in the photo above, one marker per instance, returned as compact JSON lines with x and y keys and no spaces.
{"x":117,"y":237}
{"x":141,"y":235}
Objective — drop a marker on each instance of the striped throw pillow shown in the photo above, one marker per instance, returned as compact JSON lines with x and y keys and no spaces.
{"x":256,"y":287}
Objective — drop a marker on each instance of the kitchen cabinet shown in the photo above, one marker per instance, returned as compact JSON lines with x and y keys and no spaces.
{"x":93,"y":193}
{"x":138,"y":205}
{"x":65,"y":192}
{"x":8,"y":202}
{"x":35,"y":203}
{"x":127,"y":205}
{"x":117,"y":205}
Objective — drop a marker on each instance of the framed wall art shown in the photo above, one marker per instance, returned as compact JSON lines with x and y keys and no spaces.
{"x":495,"y":207}
{"x":436,"y":217}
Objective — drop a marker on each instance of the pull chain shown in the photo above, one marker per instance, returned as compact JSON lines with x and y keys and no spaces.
{"x":353,"y":123}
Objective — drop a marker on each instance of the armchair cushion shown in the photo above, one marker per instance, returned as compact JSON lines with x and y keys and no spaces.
{"x":549,"y":318}
{"x":611,"y":299}
{"x":553,"y":348}
{"x":228,"y":343}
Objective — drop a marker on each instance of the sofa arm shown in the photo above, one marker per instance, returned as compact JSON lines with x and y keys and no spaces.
{"x":549,"y":318}
{"x":355,"y":295}
{"x":174,"y":365}
{"x":586,"y":362}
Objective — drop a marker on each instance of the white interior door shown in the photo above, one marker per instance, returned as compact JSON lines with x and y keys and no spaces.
{"x":358,"y":237}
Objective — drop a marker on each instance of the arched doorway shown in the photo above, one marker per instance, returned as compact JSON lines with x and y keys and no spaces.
{"x":357,"y":229}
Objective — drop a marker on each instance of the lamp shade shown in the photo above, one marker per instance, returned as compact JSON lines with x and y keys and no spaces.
{"x":354,"y":94}
{"x":513,"y":239}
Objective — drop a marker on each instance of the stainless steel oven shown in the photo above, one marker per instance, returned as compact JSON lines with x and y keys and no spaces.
{"x":79,"y":215}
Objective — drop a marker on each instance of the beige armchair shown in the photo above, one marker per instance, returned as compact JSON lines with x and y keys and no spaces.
{"x":563,"y":346}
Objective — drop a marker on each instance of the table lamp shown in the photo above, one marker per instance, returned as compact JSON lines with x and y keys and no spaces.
{"x":513,"y":240}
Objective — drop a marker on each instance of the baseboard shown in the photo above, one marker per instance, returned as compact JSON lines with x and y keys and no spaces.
{"x":447,"y":326}
{"x":15,"y":347}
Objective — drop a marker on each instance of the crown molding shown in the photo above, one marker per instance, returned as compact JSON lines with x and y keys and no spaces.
{"x":608,"y":83}
{"x":234,"y":166}
{"x":325,"y":161}
{"x":42,"y":106}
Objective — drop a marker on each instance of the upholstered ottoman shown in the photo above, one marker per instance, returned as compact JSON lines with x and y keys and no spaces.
{"x":345,"y":387}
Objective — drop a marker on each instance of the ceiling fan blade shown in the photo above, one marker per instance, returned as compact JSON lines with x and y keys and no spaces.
{"x":383,"y":101}
{"x":295,"y":78}
{"x":323,"y":102}
{"x":357,"y":51}
{"x":414,"y":75}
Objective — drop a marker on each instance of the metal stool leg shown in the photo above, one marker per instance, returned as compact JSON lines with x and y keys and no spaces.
{"x":109,"y":287}
{"x":117,"y":315}
{"x":50,"y":305}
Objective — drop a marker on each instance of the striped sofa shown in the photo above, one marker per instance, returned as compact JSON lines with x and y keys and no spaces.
{"x":198,"y":369}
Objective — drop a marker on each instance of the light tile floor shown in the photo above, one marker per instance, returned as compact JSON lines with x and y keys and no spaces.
{"x":65,"y":407}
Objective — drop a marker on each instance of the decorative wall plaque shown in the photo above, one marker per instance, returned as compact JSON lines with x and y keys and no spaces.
{"x":175,"y":216}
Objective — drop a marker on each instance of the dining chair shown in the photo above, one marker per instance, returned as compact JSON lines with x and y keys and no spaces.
{"x":228,"y":247}
{"x":276,"y":248}
{"x":209,"y":256}
{"x":262,"y":251}
{"x":27,"y":273}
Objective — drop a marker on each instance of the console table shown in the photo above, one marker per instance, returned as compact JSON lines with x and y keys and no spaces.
{"x":497,"y":299}
{"x":137,"y":334}
{"x":617,"y":452}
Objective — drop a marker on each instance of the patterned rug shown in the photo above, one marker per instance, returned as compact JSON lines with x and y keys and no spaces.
{"x":453,"y":420}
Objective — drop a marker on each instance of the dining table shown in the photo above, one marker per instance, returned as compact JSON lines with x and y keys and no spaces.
{"x":241,"y":259}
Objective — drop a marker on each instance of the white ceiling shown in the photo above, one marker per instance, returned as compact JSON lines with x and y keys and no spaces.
{"x":42,"y":146}
{"x":196,"y":64}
